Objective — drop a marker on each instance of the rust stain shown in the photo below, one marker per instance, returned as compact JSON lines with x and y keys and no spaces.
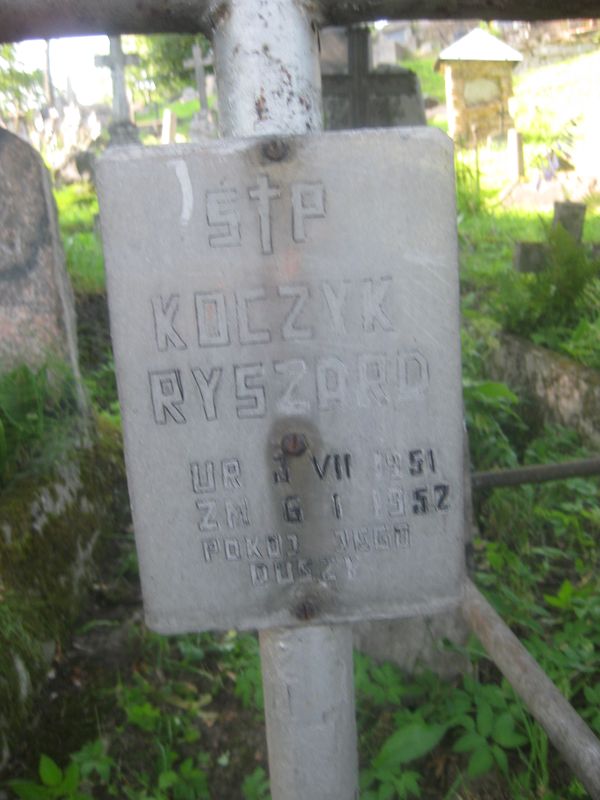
{"x":260,"y":104}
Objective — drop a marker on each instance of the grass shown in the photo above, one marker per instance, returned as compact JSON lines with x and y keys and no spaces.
{"x":38,"y":414}
{"x":78,"y":213}
{"x":184,"y":111}
{"x":432,"y":82}
{"x":547,"y":99}
{"x":182,"y":718}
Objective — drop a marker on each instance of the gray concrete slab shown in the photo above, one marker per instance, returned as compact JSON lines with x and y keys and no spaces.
{"x":286,"y":332}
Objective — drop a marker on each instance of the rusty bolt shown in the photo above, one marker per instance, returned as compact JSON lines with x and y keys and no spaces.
{"x":275,"y":150}
{"x":306,"y":609}
{"x":293,"y":444}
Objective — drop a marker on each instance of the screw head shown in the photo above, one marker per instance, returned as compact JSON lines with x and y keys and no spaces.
{"x":275,"y":150}
{"x":294,"y":444}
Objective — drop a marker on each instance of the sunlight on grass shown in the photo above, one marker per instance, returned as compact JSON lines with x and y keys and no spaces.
{"x":432,"y":82}
{"x":548,"y":98}
{"x":77,"y":213}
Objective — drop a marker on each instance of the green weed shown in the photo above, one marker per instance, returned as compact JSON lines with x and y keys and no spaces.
{"x":37,"y":410}
{"x":432,"y":81}
{"x":85,"y":262}
{"x":77,"y":215}
{"x":54,"y":784}
{"x":547,"y":301}
{"x":256,"y":785}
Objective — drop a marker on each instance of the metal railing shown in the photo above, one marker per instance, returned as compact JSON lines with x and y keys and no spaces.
{"x":537,"y":473}
{"x":32,"y":19}
{"x":567,"y":731}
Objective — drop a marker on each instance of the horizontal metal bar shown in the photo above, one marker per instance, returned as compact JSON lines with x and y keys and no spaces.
{"x":344,"y":12}
{"x":537,"y":473}
{"x":32,"y":19}
{"x":28,"y":19}
{"x":567,"y":731}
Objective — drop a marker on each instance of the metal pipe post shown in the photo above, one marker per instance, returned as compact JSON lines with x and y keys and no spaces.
{"x":309,"y":708}
{"x":267,"y":68}
{"x":269,"y":80}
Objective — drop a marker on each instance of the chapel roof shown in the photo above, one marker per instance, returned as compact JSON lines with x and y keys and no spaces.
{"x":479,"y":45}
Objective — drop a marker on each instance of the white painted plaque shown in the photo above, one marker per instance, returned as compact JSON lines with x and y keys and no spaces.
{"x":286,"y":333}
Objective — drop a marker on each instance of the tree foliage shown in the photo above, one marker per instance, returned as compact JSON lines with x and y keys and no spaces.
{"x":161,"y":73}
{"x":20,"y":90}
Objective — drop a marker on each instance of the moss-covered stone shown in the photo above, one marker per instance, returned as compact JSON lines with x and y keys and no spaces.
{"x":50,"y":525}
{"x":563,"y":391}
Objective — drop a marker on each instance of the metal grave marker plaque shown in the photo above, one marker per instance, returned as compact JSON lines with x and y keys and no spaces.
{"x":285,"y":322}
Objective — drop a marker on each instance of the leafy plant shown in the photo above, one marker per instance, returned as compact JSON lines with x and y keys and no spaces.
{"x":55,"y":784}
{"x":385,"y":778}
{"x":548,"y":299}
{"x":256,"y":785}
{"x":93,"y":760}
{"x":489,"y":731}
{"x":34,"y":405}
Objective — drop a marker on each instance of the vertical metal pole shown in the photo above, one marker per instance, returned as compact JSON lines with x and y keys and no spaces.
{"x":268,"y":75}
{"x":309,"y":708}
{"x":267,"y":68}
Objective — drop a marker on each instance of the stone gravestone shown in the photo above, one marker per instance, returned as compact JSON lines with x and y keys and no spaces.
{"x":533,"y":256}
{"x":168,"y":129}
{"x":122,"y":130}
{"x":354,"y":96}
{"x":202,"y":126}
{"x":516,"y":160}
{"x":571,"y":216}
{"x":286,"y":332}
{"x":37,"y":315}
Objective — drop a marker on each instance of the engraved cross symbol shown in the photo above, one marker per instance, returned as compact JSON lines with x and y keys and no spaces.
{"x":264,"y":194}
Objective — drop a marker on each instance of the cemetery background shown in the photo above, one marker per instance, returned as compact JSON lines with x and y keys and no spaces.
{"x":118,"y":693}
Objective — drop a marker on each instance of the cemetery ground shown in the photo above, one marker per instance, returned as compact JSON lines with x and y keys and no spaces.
{"x":130,"y":714}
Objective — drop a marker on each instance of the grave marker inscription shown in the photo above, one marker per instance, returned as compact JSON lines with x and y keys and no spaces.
{"x":285,"y":324}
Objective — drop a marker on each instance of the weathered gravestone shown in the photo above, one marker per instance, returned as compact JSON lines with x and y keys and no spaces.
{"x":168,"y":127}
{"x":514,"y":150}
{"x":203,"y":125}
{"x":122,"y":130}
{"x":355,"y":96}
{"x":50,"y":518}
{"x":285,"y":324}
{"x":37,"y":317}
{"x":535,"y":256}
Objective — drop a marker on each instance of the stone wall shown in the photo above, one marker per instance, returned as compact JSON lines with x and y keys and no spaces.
{"x":565,"y":391}
{"x":489,"y":115}
{"x":51,"y":522}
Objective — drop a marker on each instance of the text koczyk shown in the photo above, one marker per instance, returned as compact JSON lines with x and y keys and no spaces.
{"x":296,"y":312}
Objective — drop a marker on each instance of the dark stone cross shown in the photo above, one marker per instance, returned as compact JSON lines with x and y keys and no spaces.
{"x":364,"y":98}
{"x":122,"y":130}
